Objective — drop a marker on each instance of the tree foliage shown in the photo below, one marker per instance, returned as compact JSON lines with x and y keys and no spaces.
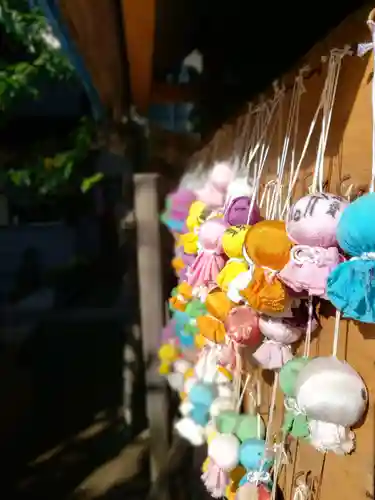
{"x":38,"y":58}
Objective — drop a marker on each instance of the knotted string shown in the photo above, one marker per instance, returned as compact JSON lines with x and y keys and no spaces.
{"x":365,"y":256}
{"x":258,"y":477}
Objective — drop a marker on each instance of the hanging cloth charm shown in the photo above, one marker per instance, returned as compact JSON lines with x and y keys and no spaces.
{"x":214,"y":191}
{"x":223,"y":452}
{"x":275,"y":350}
{"x":232,"y":242}
{"x":210,"y":260}
{"x":351,"y":285}
{"x":241,"y":211}
{"x":333,"y":397}
{"x":295,"y":421}
{"x":267,"y":246}
{"x":312,"y":225}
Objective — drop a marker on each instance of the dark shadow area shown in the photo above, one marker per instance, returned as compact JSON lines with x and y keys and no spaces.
{"x":71,"y":419}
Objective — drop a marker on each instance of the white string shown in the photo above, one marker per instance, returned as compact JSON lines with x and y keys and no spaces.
{"x":242,"y":395}
{"x":371,"y":26}
{"x":336,"y":333}
{"x":241,"y":140}
{"x":280,"y":454}
{"x":272,"y":407}
{"x":260,"y":475}
{"x":290,"y":131}
{"x":331,"y":85}
{"x":298,"y":90}
{"x":263,"y":152}
{"x":329,"y":94}
{"x":310,"y":312}
{"x":268,"y":195}
{"x":258,"y":404}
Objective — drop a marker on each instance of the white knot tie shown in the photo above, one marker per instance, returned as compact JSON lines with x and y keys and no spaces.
{"x":257,"y":476}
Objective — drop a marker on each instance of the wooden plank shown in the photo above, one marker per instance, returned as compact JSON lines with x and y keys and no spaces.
{"x":151,"y":305}
{"x":139,"y":28}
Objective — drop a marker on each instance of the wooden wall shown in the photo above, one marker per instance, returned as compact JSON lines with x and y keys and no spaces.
{"x":348,"y":154}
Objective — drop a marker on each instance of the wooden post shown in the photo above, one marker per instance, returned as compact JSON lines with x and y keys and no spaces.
{"x":151,"y":306}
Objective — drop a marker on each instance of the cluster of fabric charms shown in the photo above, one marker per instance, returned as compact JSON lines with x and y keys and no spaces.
{"x":248,"y":289}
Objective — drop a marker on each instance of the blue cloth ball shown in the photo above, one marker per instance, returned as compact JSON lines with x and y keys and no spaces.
{"x":202,"y":394}
{"x":186,"y":340}
{"x":200,"y":415}
{"x":252,"y":453}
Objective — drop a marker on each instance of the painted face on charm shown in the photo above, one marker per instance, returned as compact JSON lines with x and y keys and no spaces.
{"x":313,"y":219}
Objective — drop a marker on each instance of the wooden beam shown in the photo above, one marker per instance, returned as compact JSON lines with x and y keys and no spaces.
{"x":139,"y":27}
{"x":150,"y":278}
{"x":168,"y":93}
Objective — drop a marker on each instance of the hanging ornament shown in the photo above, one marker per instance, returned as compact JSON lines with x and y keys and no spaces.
{"x":198,"y":213}
{"x":311,"y":225}
{"x":334,"y":398}
{"x":210,"y":260}
{"x":351,"y":287}
{"x":202,"y":390}
{"x":267,"y":246}
{"x":176,"y":377}
{"x":181,"y":295}
{"x":275,"y":351}
{"x":253,"y":459}
{"x":238,"y":187}
{"x":243,"y":426}
{"x":242,"y":326}
{"x":168,"y":334}
{"x":177,"y":208}
{"x":241,"y":210}
{"x":167,"y":354}
{"x":211,"y":325}
{"x":295,"y":421}
{"x":214,"y":191}
{"x":223,"y":453}
{"x":232,"y":242}
{"x":183,"y":260}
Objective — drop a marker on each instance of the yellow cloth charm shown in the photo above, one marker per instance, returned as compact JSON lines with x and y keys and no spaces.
{"x":189,"y":242}
{"x":231,"y":269}
{"x":189,"y":373}
{"x":197,"y":215}
{"x":199,"y":341}
{"x":225,"y":372}
{"x":205,"y":465}
{"x":232,"y":242}
{"x":167,"y":354}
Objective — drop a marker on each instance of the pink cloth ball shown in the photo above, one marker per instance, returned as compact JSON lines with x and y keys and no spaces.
{"x":313,"y":219}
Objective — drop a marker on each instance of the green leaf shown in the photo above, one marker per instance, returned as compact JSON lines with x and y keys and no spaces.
{"x":89,"y":182}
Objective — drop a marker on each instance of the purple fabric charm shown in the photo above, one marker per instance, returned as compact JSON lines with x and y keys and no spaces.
{"x":237,"y":212}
